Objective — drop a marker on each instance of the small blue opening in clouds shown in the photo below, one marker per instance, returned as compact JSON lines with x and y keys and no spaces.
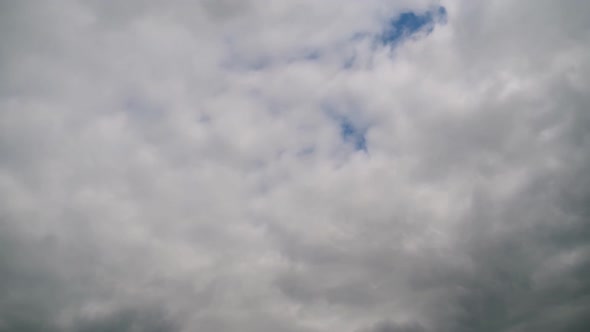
{"x":350,"y":133}
{"x":349,"y":119}
{"x":409,"y":23}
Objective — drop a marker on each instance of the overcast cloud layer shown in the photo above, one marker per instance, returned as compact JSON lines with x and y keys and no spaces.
{"x":295,"y":165}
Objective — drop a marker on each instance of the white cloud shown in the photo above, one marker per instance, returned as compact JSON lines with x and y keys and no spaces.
{"x":180,"y":166}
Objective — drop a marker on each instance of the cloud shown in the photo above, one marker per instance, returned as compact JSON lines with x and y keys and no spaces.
{"x":390,"y":327}
{"x":262,"y":166}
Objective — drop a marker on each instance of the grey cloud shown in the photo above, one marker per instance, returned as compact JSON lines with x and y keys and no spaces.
{"x":129,"y":320}
{"x":392,"y":327}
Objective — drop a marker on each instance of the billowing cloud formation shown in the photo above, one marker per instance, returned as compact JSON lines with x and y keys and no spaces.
{"x":305,"y":166}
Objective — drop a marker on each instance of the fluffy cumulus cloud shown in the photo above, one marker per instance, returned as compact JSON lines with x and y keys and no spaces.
{"x":295,"y":165}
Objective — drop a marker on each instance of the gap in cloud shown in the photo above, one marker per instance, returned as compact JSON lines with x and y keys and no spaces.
{"x":353,"y":134}
{"x":350,"y":121}
{"x":408,"y":23}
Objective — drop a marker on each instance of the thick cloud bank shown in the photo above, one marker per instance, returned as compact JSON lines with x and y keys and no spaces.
{"x":295,"y":165}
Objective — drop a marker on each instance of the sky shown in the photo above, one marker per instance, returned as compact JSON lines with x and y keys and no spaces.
{"x":295,"y":166}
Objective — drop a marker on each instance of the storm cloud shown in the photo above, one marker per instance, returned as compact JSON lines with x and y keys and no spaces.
{"x":298,"y":166}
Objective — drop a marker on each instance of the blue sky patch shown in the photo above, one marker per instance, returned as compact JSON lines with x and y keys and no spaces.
{"x":408,"y":23}
{"x":349,"y":119}
{"x":353,"y":134}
